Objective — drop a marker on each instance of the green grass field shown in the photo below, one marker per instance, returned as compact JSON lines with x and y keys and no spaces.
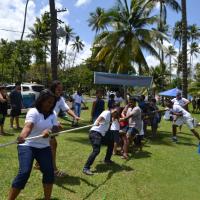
{"x":162,"y":171}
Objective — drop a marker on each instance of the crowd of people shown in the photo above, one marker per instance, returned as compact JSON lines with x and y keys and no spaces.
{"x":121,"y":127}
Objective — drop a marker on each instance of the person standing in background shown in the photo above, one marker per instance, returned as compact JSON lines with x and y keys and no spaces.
{"x":16,"y":102}
{"x":78,"y":100}
{"x":98,"y":106}
{"x":3,"y":108}
{"x":118,"y":98}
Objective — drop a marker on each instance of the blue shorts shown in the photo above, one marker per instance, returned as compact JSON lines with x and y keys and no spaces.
{"x":132,"y":131}
{"x":123,"y":130}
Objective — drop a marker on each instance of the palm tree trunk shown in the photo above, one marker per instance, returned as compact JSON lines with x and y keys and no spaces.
{"x":74,"y":59}
{"x":54,"y":51}
{"x":65,"y":56}
{"x":184,"y":49}
{"x":24,"y":25}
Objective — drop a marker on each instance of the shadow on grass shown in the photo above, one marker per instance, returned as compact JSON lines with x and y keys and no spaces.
{"x":111,"y":169}
{"x":71,"y":180}
{"x":140,"y":154}
{"x":164,"y":138}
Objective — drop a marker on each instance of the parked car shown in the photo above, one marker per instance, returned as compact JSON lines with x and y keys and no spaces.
{"x":29,"y":91}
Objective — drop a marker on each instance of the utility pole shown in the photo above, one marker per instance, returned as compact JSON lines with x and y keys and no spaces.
{"x":54,"y":46}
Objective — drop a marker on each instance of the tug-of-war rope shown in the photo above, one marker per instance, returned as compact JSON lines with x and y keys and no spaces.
{"x":50,"y":135}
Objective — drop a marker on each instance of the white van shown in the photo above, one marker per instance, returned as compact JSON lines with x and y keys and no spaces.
{"x":29,"y":91}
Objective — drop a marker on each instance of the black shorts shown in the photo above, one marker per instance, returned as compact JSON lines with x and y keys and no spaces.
{"x":15,"y":112}
{"x":115,"y":136}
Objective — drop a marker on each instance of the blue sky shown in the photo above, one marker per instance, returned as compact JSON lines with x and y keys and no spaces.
{"x":11,"y":17}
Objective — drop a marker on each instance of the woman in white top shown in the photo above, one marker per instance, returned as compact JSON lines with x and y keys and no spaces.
{"x":39,"y":120}
{"x":57,"y":88}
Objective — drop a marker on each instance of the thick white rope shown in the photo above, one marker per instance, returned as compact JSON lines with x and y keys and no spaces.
{"x":52,"y":134}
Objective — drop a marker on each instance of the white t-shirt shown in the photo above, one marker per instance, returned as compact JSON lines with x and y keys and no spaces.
{"x":61,"y":105}
{"x":118,"y":99}
{"x":179,"y":109}
{"x":78,"y":99}
{"x":115,"y":125}
{"x":104,"y":126}
{"x":40,"y":124}
{"x":180,"y":102}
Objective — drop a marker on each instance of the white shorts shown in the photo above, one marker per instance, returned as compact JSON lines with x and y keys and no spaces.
{"x":189,"y":122}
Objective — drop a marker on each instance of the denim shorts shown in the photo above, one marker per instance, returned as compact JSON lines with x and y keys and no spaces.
{"x":132,"y":131}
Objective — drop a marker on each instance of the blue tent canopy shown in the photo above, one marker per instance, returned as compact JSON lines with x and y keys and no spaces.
{"x":172,"y":93}
{"x":122,"y":79}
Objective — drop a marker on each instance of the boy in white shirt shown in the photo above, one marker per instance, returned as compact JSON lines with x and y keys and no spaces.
{"x":181,"y":117}
{"x":97,"y":135}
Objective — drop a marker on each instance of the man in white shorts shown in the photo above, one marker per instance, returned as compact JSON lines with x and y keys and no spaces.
{"x":181,"y":117}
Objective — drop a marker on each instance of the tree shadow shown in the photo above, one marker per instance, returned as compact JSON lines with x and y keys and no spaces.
{"x":111,"y":169}
{"x":71,"y":180}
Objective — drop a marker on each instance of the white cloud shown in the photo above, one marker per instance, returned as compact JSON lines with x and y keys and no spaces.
{"x":82,"y":2}
{"x":152,"y":61}
{"x":12,"y":15}
{"x":81,"y":56}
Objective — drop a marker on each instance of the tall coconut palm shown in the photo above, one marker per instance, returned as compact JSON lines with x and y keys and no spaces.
{"x":69,"y":35}
{"x":194,"y":50}
{"x":77,"y":46}
{"x":170,"y":51}
{"x":163,"y":4}
{"x":96,"y":20}
{"x":194,"y":32}
{"x":54,"y":48}
{"x":184,"y":49}
{"x":127,"y":36}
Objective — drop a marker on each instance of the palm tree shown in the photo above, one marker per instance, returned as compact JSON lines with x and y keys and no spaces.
{"x":194,"y":32}
{"x":96,"y":20}
{"x":127,"y":35}
{"x":177,"y":33}
{"x":170,"y":51}
{"x":184,"y":49}
{"x":40,"y":35}
{"x":54,"y":48}
{"x":193,"y":51}
{"x":159,"y":74}
{"x":68,"y":36}
{"x":77,"y":46}
{"x":163,"y":4}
